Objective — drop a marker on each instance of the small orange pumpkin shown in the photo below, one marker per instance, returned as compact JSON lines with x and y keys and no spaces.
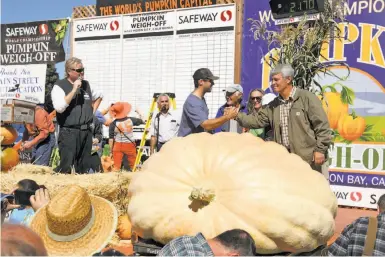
{"x":9,"y":159}
{"x":351,"y":127}
{"x":107,"y":163}
{"x":124,"y":227}
{"x":9,"y":133}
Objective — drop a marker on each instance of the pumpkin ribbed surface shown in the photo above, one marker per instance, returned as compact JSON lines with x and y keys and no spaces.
{"x":213,"y":183}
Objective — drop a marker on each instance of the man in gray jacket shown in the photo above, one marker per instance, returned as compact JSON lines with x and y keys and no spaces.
{"x":297,"y":119}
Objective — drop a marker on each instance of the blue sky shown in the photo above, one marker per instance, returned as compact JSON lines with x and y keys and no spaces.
{"x":14,"y":11}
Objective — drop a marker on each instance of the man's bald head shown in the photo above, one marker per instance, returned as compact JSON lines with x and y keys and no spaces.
{"x":18,"y":240}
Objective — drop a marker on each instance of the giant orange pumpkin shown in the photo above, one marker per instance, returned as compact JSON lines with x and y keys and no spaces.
{"x":334,"y":108}
{"x":9,"y":135}
{"x":351,"y":127}
{"x":9,"y":159}
{"x":213,"y":183}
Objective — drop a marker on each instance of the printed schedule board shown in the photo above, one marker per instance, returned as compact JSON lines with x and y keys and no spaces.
{"x":131,"y":57}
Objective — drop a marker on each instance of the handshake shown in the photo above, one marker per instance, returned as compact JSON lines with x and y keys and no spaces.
{"x":231,"y":112}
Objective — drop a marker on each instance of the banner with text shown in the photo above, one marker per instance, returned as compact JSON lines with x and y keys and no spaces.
{"x":206,"y":19}
{"x":150,"y":22}
{"x":106,"y":27}
{"x":358,"y":157}
{"x":114,"y":7}
{"x":38,"y":42}
{"x":24,"y":82}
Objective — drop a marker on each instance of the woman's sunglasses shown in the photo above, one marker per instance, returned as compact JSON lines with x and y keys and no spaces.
{"x":257,"y":98}
{"x":78,"y":70}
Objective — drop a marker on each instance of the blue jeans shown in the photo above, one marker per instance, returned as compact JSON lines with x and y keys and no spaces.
{"x":41,"y":153}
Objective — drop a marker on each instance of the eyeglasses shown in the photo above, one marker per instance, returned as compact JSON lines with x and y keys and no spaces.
{"x":78,"y":70}
{"x":257,"y":98}
{"x":228,"y":94}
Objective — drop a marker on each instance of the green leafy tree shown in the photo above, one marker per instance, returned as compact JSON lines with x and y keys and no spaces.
{"x":51,"y":77}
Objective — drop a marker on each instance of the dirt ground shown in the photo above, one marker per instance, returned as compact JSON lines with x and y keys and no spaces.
{"x":345,"y":216}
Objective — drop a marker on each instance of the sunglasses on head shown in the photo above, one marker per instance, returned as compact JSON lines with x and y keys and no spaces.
{"x":257,"y":98}
{"x":78,"y":70}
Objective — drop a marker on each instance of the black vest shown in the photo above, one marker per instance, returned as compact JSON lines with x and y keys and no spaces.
{"x":79,"y":111}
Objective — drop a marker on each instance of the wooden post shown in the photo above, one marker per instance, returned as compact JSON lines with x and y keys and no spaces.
{"x":238,"y":42}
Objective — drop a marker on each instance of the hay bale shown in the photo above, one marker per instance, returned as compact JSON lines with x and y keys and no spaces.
{"x":31,"y":168}
{"x":112,"y":186}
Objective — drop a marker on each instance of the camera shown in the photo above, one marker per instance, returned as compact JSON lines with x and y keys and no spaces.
{"x":22,"y":197}
{"x":5,"y":198}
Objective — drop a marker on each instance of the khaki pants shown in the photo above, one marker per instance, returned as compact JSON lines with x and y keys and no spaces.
{"x":323,"y":169}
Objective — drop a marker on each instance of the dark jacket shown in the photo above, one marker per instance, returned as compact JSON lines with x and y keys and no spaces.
{"x":97,"y":129}
{"x":309,"y":129}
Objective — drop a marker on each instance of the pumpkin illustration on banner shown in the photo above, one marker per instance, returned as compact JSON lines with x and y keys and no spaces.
{"x":336,"y":104}
{"x":334,"y":108}
{"x":351,"y":127}
{"x":200,"y":183}
{"x":8,"y":135}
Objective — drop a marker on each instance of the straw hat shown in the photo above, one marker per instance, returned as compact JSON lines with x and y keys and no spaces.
{"x":120,"y":110}
{"x":75,"y":223}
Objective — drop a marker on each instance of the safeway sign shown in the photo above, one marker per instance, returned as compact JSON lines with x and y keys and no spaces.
{"x":209,"y":17}
{"x":359,"y":197}
{"x":100,"y":27}
{"x":38,"y":42}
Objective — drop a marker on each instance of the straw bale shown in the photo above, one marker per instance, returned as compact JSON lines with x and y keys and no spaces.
{"x":31,"y":168}
{"x":112,"y":186}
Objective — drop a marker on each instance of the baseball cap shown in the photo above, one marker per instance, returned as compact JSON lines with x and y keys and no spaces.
{"x":204,"y":73}
{"x":234,"y":88}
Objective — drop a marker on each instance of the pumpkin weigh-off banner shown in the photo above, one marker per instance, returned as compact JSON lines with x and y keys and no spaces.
{"x":357,"y":170}
{"x":38,"y":42}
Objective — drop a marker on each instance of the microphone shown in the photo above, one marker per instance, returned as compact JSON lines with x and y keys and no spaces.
{"x":78,"y":89}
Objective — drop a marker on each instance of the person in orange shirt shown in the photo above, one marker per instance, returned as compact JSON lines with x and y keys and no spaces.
{"x":42,"y":137}
{"x":121,"y":135}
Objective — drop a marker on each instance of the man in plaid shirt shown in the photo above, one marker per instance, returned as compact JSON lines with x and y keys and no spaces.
{"x":230,"y":243}
{"x":351,"y":242}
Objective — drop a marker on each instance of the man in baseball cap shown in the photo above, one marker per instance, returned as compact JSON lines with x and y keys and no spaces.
{"x":233,"y":96}
{"x":195,"y":116}
{"x":234,"y":88}
{"x":204,"y":73}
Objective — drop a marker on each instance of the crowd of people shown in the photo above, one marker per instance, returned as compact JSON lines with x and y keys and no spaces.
{"x":74,"y":222}
{"x":294,"y":118}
